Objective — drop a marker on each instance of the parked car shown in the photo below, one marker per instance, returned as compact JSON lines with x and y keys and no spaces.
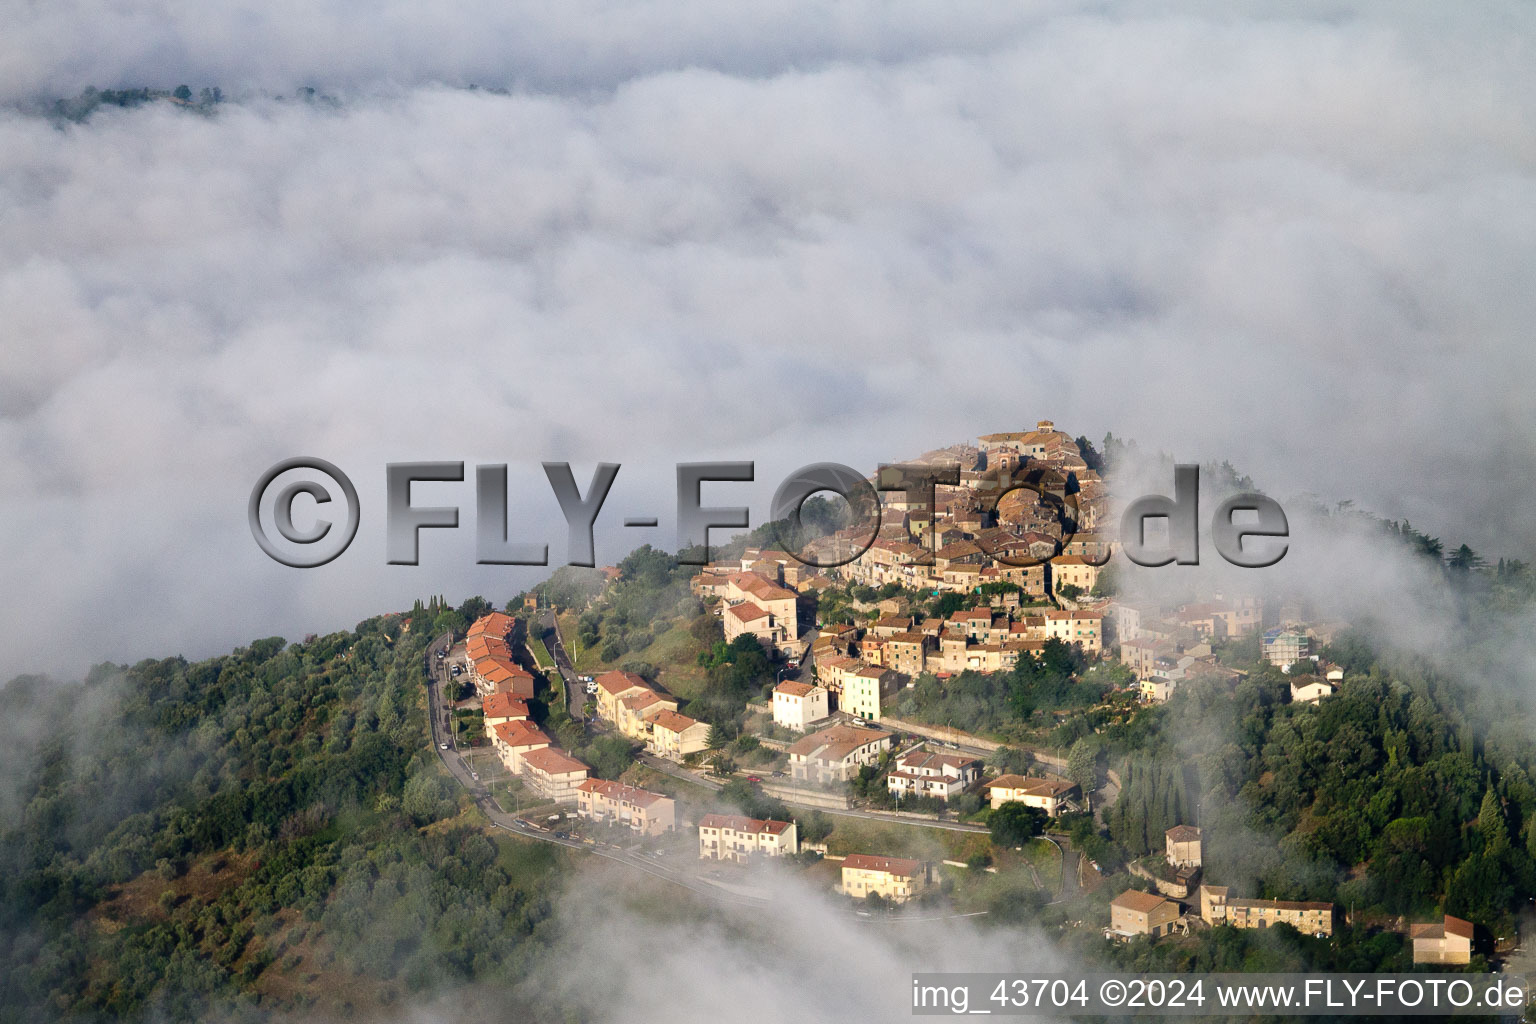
{"x":753,"y":778}
{"x":442,"y":746}
{"x":475,"y":776}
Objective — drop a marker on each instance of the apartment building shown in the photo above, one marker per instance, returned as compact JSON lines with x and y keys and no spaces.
{"x":926,"y":773}
{"x":735,"y":837}
{"x":1076,"y":627}
{"x":553,"y":773}
{"x":896,"y":879}
{"x":1284,"y":647}
{"x":637,"y":809}
{"x":796,"y":705}
{"x":674,"y":735}
{"x":502,"y":707}
{"x":614,"y":686}
{"x":512,"y":740}
{"x":1048,"y":795}
{"x":836,"y":754}
{"x":863,"y":689}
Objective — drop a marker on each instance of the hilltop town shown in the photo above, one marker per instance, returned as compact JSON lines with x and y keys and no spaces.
{"x":960,"y":677}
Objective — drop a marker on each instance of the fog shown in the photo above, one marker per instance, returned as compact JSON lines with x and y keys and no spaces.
{"x":1300,"y":241}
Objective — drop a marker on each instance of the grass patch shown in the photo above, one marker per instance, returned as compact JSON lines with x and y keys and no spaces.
{"x":862,"y":835}
{"x":541,"y":655}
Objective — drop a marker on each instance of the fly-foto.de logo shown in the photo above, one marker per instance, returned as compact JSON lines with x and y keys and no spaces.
{"x":1248,"y":529}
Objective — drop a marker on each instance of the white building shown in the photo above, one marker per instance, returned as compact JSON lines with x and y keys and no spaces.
{"x":796,"y":705}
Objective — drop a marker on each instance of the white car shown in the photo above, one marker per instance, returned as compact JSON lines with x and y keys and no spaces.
{"x":442,"y":746}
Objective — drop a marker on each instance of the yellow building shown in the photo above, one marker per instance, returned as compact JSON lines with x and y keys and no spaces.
{"x":894,"y":878}
{"x":676,"y":735}
{"x":1135,"y":913}
{"x":1075,"y":570}
{"x":613,"y":687}
{"x":637,"y":710}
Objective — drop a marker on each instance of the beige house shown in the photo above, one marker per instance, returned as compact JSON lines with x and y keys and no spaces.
{"x":675,"y":735}
{"x":613,"y":687}
{"x":502,"y":707}
{"x":796,"y":705}
{"x":1183,"y":842}
{"x":1311,"y":689}
{"x":637,"y":710}
{"x":863,"y":689}
{"x":1448,"y":941}
{"x":926,"y":773}
{"x":761,"y":607}
{"x":1047,"y":795}
{"x":553,"y":773}
{"x":1075,"y":570}
{"x":906,"y":653}
{"x":897,"y":879}
{"x":512,"y":740}
{"x":641,"y":810}
{"x":1135,"y":913}
{"x":738,"y":838}
{"x":836,"y":754}
{"x":1085,"y":628}
{"x":1216,"y":908}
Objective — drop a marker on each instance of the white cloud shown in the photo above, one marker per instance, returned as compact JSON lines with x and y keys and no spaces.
{"x":1301,"y":241}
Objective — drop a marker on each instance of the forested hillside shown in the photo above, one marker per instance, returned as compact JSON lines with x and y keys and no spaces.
{"x":244,"y":833}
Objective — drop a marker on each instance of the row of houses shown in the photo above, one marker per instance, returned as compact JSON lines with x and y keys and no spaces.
{"x":488,"y":652}
{"x":856,"y":674}
{"x":647,"y":715}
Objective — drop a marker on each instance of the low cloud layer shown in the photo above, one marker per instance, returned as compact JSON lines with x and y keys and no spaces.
{"x":1301,"y":242}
